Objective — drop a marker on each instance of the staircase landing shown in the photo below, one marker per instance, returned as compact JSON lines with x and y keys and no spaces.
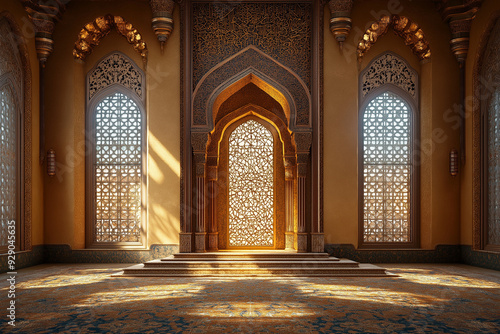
{"x":252,"y":264}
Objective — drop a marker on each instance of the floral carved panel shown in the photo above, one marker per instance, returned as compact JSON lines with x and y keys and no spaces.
{"x":282,"y":30}
{"x":389,"y":69}
{"x":115,"y":69}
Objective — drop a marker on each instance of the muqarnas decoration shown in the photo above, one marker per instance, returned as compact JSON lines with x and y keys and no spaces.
{"x":340,"y":19}
{"x":162,"y":21}
{"x":44,"y":15}
{"x":93,"y":32}
{"x":403,"y":27}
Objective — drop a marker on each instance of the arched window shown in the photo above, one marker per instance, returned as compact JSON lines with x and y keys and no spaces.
{"x":490,"y":94}
{"x":116,"y":125}
{"x":492,"y":171}
{"x":9,"y":165}
{"x":388,"y":175}
{"x":13,"y":85}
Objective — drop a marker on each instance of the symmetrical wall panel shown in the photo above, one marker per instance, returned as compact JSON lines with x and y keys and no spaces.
{"x":277,"y":38}
{"x":223,"y":28}
{"x":228,"y":46}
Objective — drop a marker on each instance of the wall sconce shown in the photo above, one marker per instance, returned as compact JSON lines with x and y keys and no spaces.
{"x":51,"y":162}
{"x":453,"y":162}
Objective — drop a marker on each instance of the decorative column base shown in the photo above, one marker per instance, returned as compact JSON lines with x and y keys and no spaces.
{"x":213,"y":241}
{"x":302,"y":242}
{"x":289,"y":237}
{"x":185,"y":242}
{"x":317,"y":242}
{"x":200,"y":242}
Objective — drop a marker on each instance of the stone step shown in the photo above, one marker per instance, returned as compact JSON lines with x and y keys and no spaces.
{"x":246,"y":263}
{"x":260,"y":263}
{"x":361,"y":270}
{"x":243,"y":259}
{"x":253,"y":255}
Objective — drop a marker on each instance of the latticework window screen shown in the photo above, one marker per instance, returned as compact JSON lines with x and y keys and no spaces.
{"x":387,"y":170}
{"x":117,"y":170}
{"x":493,"y":160}
{"x":251,"y":186}
{"x":8,"y":161}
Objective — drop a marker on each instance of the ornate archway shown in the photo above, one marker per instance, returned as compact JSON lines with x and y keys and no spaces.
{"x":249,"y":169}
{"x":244,"y":102}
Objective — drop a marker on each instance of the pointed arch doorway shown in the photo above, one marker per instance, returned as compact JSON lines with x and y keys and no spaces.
{"x":266,"y":208}
{"x":251,"y":191}
{"x":248,"y":200}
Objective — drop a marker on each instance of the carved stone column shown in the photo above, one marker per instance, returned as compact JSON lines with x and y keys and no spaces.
{"x":199,"y":143}
{"x":302,"y":160}
{"x":200,"y":235}
{"x":303,"y":143}
{"x":211,"y":217}
{"x":290,"y":165}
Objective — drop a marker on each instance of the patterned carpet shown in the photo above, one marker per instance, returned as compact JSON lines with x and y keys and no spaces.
{"x":86,"y":299}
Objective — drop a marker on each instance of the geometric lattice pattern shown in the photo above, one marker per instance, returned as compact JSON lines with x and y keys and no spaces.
{"x":8,"y":161}
{"x":494,"y":169}
{"x":118,"y":170}
{"x":251,"y":186}
{"x":387,"y":170}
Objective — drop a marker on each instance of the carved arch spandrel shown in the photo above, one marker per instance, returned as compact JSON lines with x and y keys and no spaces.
{"x":228,"y":91}
{"x":403,"y":27}
{"x":253,"y":60}
{"x":215,"y":137}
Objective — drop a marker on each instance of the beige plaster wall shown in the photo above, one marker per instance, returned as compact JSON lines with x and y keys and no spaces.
{"x":438,"y":92}
{"x":65,"y":105}
{"x":488,"y":11}
{"x":15,"y":9}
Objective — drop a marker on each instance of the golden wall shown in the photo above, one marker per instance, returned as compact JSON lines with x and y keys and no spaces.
{"x":65,"y":105}
{"x":59,"y":202}
{"x":439,"y":91}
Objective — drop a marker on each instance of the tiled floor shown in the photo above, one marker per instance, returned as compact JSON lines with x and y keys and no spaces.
{"x":84,"y":298}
